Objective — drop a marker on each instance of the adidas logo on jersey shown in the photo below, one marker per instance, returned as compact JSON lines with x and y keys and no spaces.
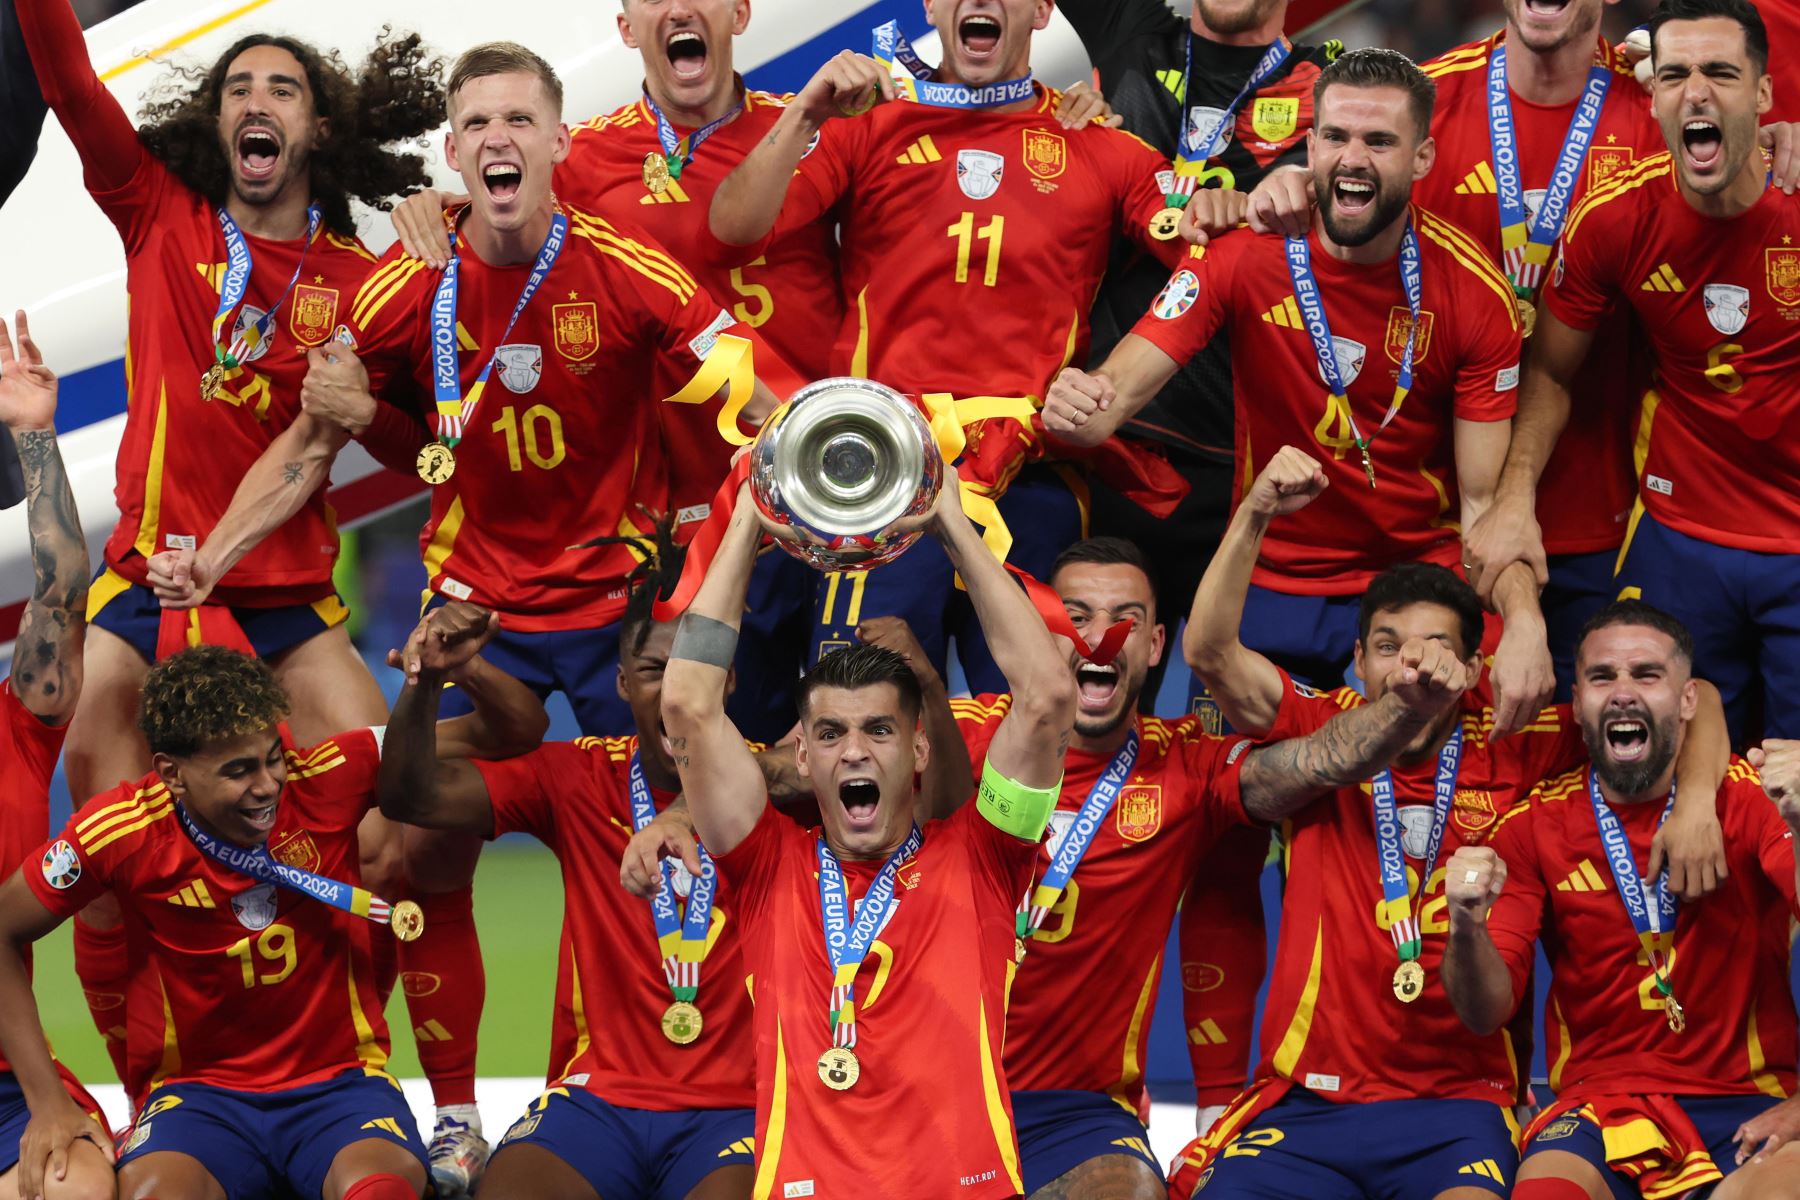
{"x":1583,"y":879}
{"x":386,"y":1125}
{"x":1663,"y":279}
{"x":1207,"y":1033}
{"x":921,"y":151}
{"x":1286,"y":314}
{"x":741,"y":1146}
{"x":671,"y":195}
{"x":194,"y":895}
{"x":1487,"y":1168}
{"x":1479,"y":182}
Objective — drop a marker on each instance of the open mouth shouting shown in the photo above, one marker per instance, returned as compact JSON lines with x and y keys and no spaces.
{"x":1545,"y":8}
{"x":1097,"y":686}
{"x":502,"y":180}
{"x":1352,"y":195}
{"x":258,"y":817}
{"x":1627,"y":738}
{"x":980,"y":38}
{"x":1702,"y":144}
{"x":258,"y":152}
{"x":861,"y":799}
{"x":687,"y":55}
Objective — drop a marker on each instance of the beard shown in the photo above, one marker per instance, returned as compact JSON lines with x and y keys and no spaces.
{"x":1382,"y":212}
{"x":1633,"y":778}
{"x":1229,"y":20}
{"x":1100,"y":726}
{"x":1581,"y":29}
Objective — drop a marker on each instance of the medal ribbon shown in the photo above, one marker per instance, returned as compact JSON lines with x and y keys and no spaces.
{"x":1526,"y":251}
{"x":894,"y":51}
{"x":1403,"y":921}
{"x":256,"y":863}
{"x":1081,"y":835}
{"x":1312,"y":313}
{"x":237,"y":281}
{"x":846,"y":944}
{"x":1649,"y":921}
{"x":454,"y":411}
{"x":677,"y":150}
{"x":682,"y":940}
{"x":1190,"y":159}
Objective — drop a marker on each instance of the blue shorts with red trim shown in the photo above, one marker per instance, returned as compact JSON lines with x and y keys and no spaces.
{"x":260,"y":1144}
{"x":132,"y":611}
{"x":1716,"y":1118}
{"x":1307,"y":1146}
{"x":634,"y":1153}
{"x":1059,"y":1130}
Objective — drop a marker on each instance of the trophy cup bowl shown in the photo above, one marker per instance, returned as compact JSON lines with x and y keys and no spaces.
{"x":847,"y":467}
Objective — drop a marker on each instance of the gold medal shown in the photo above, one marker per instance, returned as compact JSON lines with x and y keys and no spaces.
{"x":1166,"y":225}
{"x":210,"y":381}
{"x":1368,"y":466}
{"x":857,"y":108}
{"x":656,"y":173}
{"x":1527,"y":315}
{"x":1677,"y":1016}
{"x":408,"y":920}
{"x":1409,"y":981}
{"x":838,"y":1069}
{"x":436,"y":463}
{"x":1018,"y":950}
{"x":681,"y":1023}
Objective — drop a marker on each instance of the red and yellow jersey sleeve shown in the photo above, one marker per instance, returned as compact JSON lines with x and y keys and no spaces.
{"x":1486,"y":321}
{"x":1224,"y":954}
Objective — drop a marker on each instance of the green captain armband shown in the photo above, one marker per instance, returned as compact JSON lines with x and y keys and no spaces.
{"x":1011,"y":807}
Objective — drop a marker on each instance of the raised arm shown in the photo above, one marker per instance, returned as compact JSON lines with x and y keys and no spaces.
{"x":949,"y":778}
{"x":1279,"y":780}
{"x":95,"y":122}
{"x":508,"y":720}
{"x":1086,"y":409}
{"x":415,"y":785}
{"x":1473,"y":970}
{"x":1246,"y":685}
{"x":723,"y":785}
{"x":748,"y":203}
{"x":1506,"y":531}
{"x":46,"y":661}
{"x":1028,"y":747}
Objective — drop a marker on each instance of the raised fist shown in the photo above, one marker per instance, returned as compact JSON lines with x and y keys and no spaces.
{"x":1074,"y":406}
{"x":1473,"y":881}
{"x":1778,"y":759}
{"x":1291,"y":481}
{"x":1429,"y":678}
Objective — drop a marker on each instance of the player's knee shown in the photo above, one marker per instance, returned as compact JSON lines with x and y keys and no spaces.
{"x":1776,"y":1177}
{"x":90,"y":1177}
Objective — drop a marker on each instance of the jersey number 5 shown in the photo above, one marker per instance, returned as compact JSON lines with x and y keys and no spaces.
{"x":273,"y":945}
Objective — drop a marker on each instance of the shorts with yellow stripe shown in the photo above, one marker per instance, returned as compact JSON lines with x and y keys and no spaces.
{"x":131,"y":611}
{"x":634,"y":1153}
{"x":1306,"y":1145}
{"x":1060,"y":1129}
{"x":1716,"y":1119}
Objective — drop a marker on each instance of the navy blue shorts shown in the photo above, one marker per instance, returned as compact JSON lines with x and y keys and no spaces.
{"x":14,"y":1114}
{"x":1743,"y":609}
{"x":259,"y":1144}
{"x":1386,"y":1150}
{"x":633,"y":1153}
{"x":582,"y":664}
{"x":132,"y":611}
{"x":1060,"y":1130}
{"x":1312,"y":638}
{"x":1715,"y":1117}
{"x":1580,"y":586}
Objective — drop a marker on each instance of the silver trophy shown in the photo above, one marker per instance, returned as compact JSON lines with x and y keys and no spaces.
{"x":847,"y":466}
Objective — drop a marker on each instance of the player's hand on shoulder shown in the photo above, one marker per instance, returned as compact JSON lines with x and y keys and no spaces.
{"x":1292,"y":480}
{"x":896,"y":635}
{"x":1782,"y":141}
{"x":44,"y":1147}
{"x":27,"y":386}
{"x":419,"y":220}
{"x":1524,"y":677}
{"x":1690,"y":845}
{"x":1211,"y":212}
{"x":179,"y":578}
{"x":1073,"y":405}
{"x":1430,"y":678}
{"x":336,"y":388}
{"x":445,"y":638}
{"x":670,"y":834}
{"x":1473,"y":880}
{"x":1081,"y":104}
{"x":1506,"y":533}
{"x":1283,"y":202}
{"x":848,"y":85}
{"x":1778,"y":761}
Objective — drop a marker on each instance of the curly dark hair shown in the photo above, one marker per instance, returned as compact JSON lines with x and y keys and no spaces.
{"x":397,"y":95}
{"x":206,"y":693}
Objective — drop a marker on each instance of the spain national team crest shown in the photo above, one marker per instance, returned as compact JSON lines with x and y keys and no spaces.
{"x":1139,"y":812}
{"x":1474,"y":811}
{"x":1046,"y":153}
{"x":1783,"y":266}
{"x":1350,"y":356}
{"x":296,"y":849}
{"x":140,"y":1133}
{"x":420,"y":983}
{"x":1606,"y":161}
{"x":978,"y":173}
{"x":577,"y":329}
{"x":524,"y":1127}
{"x":1201,"y":977}
{"x":1178,"y":295}
{"x":312,"y":313}
{"x":519,"y":367}
{"x":1399,"y":324}
{"x":1727,"y":307}
{"x":255,"y":909}
{"x":1275,"y":118}
{"x":62,"y":866}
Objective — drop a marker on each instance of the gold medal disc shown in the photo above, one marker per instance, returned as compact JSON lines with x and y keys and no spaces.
{"x":681,"y":1023}
{"x":1409,"y":981}
{"x":1166,"y":225}
{"x":857,"y":108}
{"x":210,"y":381}
{"x":408,"y":920}
{"x":436,"y":463}
{"x":1677,"y":1016}
{"x":1527,"y":315}
{"x":1018,"y":950}
{"x":838,"y":1069}
{"x":656,"y":173}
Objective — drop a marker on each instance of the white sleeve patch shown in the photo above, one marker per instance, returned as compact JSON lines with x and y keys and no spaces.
{"x":702,"y":345}
{"x":379,"y":733}
{"x":1507,"y":380}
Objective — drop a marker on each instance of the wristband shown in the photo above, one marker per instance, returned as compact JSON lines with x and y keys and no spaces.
{"x":704,"y":640}
{"x":1011,"y":807}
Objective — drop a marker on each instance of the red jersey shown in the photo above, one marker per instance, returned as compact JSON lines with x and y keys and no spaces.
{"x":1604,"y":1025}
{"x":1588,"y":486}
{"x":1335,"y":960}
{"x":575,"y":797}
{"x":1465,"y":366}
{"x":1783,"y":24}
{"x":1099,"y":950}
{"x":1224,"y":946}
{"x":28,"y":750}
{"x":262,"y":988}
{"x":789,"y":294}
{"x":932,"y":1108}
{"x":1719,"y":301}
{"x":564,"y":445}
{"x":973,"y":243}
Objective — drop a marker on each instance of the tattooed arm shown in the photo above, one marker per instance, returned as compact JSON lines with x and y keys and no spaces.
{"x":1279,"y":780}
{"x":46,"y":667}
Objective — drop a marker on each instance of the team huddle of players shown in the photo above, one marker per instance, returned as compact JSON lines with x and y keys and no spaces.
{"x":1505,"y":357}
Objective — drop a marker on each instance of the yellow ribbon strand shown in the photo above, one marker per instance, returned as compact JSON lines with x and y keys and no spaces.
{"x":949,"y":419}
{"x":728,"y":366}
